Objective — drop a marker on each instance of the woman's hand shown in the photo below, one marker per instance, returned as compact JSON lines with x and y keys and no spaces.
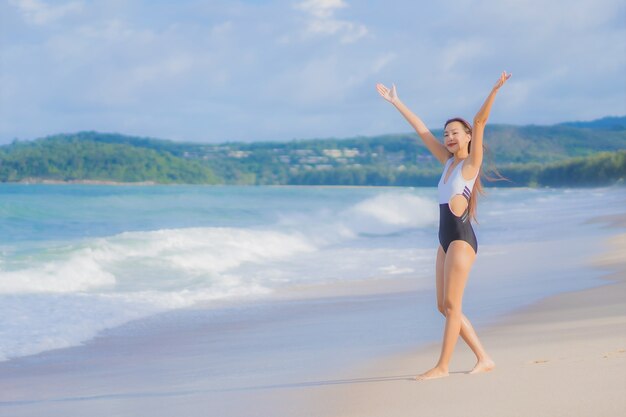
{"x":389,"y":95}
{"x":502,"y":80}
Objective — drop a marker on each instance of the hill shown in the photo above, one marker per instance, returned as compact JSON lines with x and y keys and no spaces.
{"x":80,"y":157}
{"x":570,"y":153}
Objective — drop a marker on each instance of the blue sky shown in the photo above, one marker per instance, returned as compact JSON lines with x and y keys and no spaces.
{"x":213,"y":71}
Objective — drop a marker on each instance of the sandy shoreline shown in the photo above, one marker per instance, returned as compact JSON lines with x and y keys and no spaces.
{"x":562,"y":356}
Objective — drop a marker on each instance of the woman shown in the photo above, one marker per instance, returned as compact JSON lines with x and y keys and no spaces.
{"x":463,"y":146}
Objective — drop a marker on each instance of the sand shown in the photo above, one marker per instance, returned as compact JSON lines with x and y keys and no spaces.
{"x":562,"y":356}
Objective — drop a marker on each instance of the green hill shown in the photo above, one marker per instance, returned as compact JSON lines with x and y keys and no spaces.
{"x":79,"y":157}
{"x":606,"y":123}
{"x":571,"y":153}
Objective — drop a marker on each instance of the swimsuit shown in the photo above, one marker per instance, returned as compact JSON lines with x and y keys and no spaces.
{"x":451,"y":226}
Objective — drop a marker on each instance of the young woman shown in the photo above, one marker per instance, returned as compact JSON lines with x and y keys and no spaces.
{"x":462,"y":156}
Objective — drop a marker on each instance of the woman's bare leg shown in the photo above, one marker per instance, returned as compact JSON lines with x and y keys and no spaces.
{"x":485,"y":363}
{"x":457,"y":264}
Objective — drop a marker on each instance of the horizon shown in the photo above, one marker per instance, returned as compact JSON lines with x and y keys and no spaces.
{"x":277,"y":70}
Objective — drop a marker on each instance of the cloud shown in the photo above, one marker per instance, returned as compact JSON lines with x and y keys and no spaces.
{"x":263,"y":70}
{"x":39,"y":12}
{"x":322,"y":9}
{"x":322,"y":21}
{"x":120,"y":65}
{"x":114,"y":31}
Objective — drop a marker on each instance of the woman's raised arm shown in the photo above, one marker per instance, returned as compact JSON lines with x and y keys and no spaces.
{"x":480,"y":120}
{"x":435,"y":147}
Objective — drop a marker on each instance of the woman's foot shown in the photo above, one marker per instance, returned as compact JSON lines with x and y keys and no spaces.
{"x":432,"y":373}
{"x":483,"y":365}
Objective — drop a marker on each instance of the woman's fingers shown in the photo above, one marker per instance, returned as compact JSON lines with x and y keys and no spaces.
{"x":503,"y":79}
{"x":389,"y":95}
{"x":384,"y":91}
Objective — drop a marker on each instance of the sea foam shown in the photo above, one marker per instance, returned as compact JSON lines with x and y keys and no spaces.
{"x":61,"y":294}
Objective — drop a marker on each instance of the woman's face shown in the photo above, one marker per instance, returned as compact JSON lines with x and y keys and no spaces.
{"x":455,"y":137}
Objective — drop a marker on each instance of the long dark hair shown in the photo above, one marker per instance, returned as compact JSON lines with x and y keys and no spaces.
{"x":478,"y":186}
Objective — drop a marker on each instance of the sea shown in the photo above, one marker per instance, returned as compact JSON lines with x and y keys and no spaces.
{"x":76,"y":260}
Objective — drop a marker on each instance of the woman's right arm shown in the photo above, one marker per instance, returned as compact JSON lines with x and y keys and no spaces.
{"x":435,"y":147}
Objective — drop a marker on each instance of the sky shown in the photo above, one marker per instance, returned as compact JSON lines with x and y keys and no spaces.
{"x":256,"y":70}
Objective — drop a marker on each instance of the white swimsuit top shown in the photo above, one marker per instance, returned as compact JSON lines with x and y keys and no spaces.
{"x":456,"y":183}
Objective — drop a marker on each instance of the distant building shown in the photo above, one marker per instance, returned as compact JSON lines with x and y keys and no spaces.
{"x":313,"y":160}
{"x":333,"y":153}
{"x":238,"y":154}
{"x":338,"y":153}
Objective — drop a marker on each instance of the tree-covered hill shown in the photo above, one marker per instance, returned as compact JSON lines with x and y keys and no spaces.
{"x":75,"y":157}
{"x":606,"y":123}
{"x":571,"y":153}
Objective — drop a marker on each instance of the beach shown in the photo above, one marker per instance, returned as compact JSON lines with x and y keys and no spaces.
{"x":563,"y":356}
{"x":352,"y":348}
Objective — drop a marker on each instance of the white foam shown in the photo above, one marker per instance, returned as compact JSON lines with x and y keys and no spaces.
{"x":391,"y":212}
{"x":63,"y":295}
{"x":384,"y":214}
{"x":170,"y":259}
{"x":393,"y":270}
{"x":80,"y":272}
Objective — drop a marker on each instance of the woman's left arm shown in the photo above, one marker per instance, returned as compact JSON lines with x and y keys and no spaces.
{"x":480,"y":120}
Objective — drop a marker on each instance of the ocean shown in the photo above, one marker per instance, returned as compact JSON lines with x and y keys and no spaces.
{"x":76,"y":260}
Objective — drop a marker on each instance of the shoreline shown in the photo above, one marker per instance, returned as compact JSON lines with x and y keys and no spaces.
{"x":562,"y":355}
{"x":564,"y":347}
{"x":30,"y":181}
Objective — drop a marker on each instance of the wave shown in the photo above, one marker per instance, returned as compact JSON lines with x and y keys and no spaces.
{"x":61,"y":295}
{"x":391,"y":213}
{"x":158,"y":260}
{"x":387,"y":213}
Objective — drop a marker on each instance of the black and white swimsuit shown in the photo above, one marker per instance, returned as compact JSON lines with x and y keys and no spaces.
{"x":451,"y":226}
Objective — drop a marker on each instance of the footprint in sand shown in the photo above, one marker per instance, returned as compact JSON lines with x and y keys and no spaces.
{"x":614,"y":353}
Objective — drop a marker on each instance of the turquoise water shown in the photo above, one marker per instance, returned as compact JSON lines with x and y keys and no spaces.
{"x":77,"y":259}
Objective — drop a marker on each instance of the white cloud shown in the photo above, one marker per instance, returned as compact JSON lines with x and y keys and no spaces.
{"x":214,"y":70}
{"x":115,"y":30}
{"x":321,"y":9}
{"x":39,"y":12}
{"x":322,"y":20}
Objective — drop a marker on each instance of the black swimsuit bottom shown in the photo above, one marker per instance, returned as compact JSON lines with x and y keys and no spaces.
{"x":453,"y":227}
